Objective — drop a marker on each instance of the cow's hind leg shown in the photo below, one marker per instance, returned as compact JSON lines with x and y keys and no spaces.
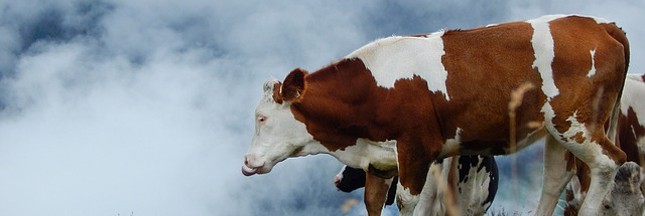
{"x":589,"y":143}
{"x":556,"y":175}
{"x":603,"y":165}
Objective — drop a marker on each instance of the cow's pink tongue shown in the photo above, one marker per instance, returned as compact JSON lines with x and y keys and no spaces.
{"x":248,"y":171}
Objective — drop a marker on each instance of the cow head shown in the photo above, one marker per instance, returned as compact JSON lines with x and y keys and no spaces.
{"x":349,"y":179}
{"x":626,"y":197}
{"x":278,"y":135}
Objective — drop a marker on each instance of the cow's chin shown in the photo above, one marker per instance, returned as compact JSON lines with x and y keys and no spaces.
{"x":249,"y":171}
{"x":252,"y":171}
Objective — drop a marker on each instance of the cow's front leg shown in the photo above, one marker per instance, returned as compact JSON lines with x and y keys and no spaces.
{"x":405,"y":200}
{"x":376,"y":189}
{"x":413,"y":165}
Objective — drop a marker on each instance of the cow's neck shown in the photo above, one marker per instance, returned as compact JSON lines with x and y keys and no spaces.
{"x":363,"y":154}
{"x":336,"y":108}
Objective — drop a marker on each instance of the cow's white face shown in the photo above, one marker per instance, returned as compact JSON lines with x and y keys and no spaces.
{"x":626,"y":197}
{"x":278,"y":135}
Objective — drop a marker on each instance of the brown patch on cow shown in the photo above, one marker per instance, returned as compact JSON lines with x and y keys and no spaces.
{"x":583,"y":172}
{"x":571,"y":160}
{"x":497,"y":70}
{"x":277,"y":97}
{"x":570,"y":210}
{"x":630,"y":131}
{"x":294,"y":85}
{"x":579,"y":137}
{"x":338,"y":105}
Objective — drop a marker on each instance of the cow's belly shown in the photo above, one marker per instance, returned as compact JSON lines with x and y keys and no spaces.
{"x":370,"y":155}
{"x":491,"y":147}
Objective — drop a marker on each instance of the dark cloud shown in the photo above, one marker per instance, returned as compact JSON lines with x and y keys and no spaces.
{"x":414,"y":17}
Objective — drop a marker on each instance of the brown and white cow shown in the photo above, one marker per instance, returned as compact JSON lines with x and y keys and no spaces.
{"x":631,"y":121}
{"x":626,"y":197}
{"x":399,"y":103}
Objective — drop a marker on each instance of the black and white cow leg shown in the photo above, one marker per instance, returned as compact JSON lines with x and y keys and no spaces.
{"x":430,"y":198}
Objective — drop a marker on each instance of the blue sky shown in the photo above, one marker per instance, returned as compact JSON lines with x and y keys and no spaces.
{"x":146,"y":107}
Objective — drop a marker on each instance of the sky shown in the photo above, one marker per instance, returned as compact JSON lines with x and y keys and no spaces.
{"x":122,"y":107}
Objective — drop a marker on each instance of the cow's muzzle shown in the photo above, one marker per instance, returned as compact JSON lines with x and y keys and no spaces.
{"x":249,"y":171}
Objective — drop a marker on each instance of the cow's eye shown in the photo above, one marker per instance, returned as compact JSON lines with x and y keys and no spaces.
{"x":262,"y":119}
{"x":607,"y":207}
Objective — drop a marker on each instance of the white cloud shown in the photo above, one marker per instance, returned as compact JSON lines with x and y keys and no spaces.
{"x":146,"y":106}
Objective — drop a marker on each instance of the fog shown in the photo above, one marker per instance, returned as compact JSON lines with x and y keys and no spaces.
{"x":146,"y":107}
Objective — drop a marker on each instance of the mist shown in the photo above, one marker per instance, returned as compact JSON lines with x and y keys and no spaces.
{"x":146,"y":107}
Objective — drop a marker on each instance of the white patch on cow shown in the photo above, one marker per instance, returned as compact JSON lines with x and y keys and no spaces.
{"x":543,"y":49}
{"x":548,"y":18}
{"x":406,"y":201}
{"x":474,"y":191}
{"x":394,"y":58}
{"x":592,"y":71}
{"x":432,"y":197}
{"x":549,"y":114}
{"x":491,"y":25}
{"x":396,"y":155}
{"x":634,"y":132}
{"x":598,"y":20}
{"x":633,"y":94}
{"x":602,"y":171}
{"x":452,"y":145}
{"x":575,"y":128}
{"x":381,"y":155}
{"x":339,"y":177}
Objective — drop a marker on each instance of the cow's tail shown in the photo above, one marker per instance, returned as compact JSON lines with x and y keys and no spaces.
{"x":619,"y":35}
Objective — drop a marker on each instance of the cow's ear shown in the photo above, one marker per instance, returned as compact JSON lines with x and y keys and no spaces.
{"x":294,"y":85}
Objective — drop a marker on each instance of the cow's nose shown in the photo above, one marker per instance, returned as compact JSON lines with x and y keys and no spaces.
{"x":251,"y":161}
{"x":338,"y":179}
